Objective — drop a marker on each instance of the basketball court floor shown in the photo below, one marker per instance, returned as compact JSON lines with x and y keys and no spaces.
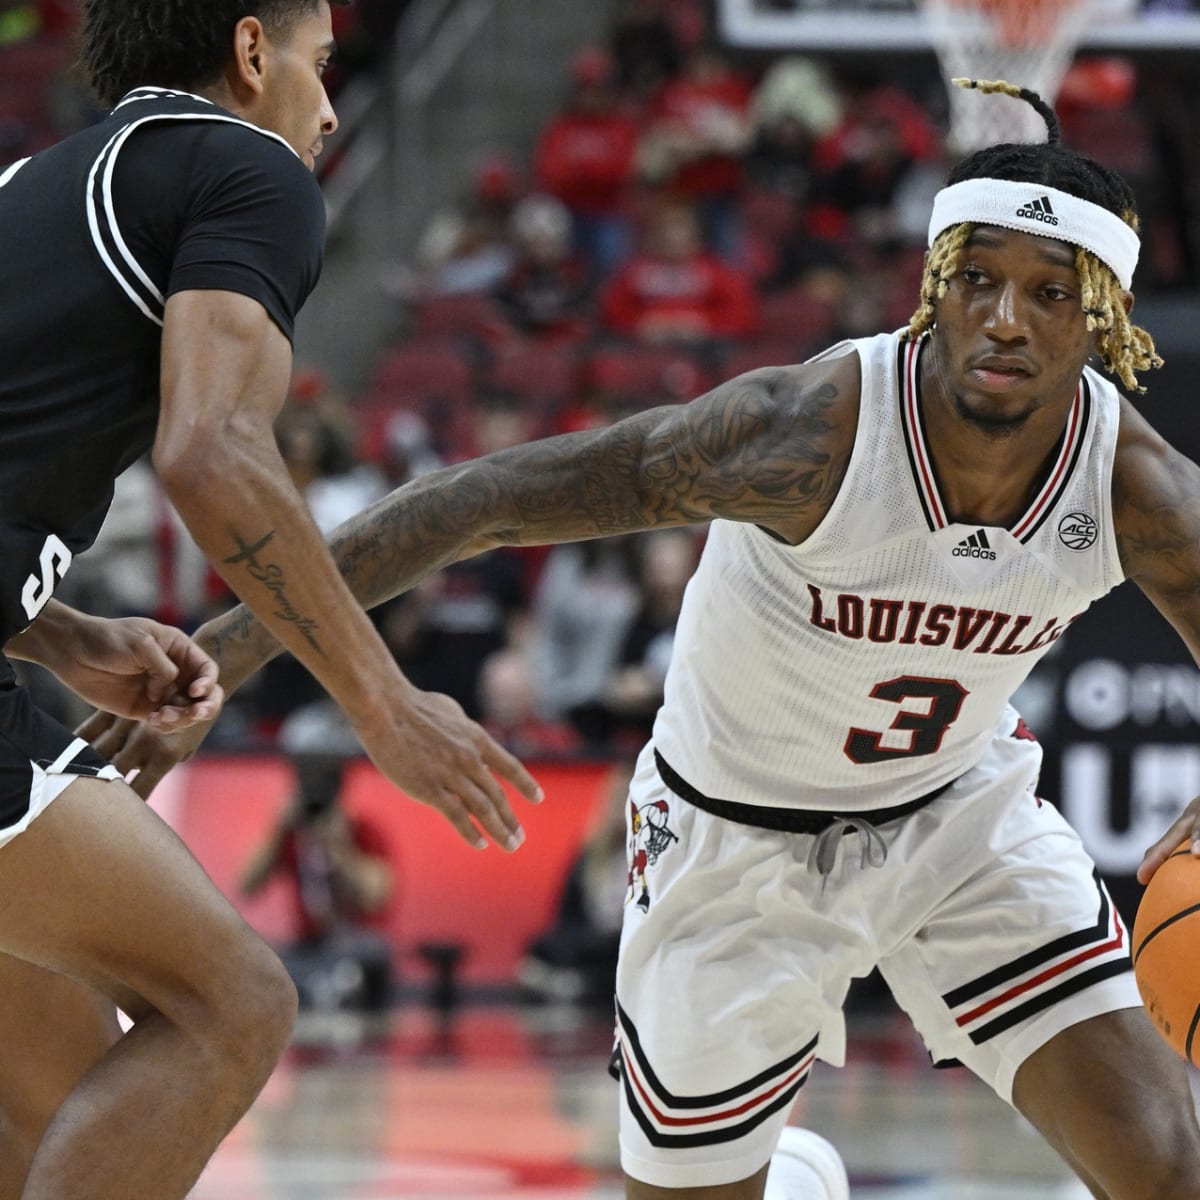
{"x":500,"y":1102}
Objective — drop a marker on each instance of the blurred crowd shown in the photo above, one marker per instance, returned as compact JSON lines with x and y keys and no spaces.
{"x":684,"y":216}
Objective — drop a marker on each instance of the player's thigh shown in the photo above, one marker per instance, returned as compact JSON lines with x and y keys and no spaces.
{"x":729,"y":983}
{"x":1023,"y":942}
{"x":53,"y":1031}
{"x":1114,"y":1100}
{"x":100,"y":889}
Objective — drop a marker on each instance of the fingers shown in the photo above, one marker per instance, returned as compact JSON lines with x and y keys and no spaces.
{"x":203,"y":671}
{"x":484,"y":796}
{"x":509,"y":767}
{"x":192,"y":662}
{"x":107,"y":734}
{"x":98,"y":725}
{"x":169,"y":718}
{"x":489,"y":807}
{"x":127,"y":746}
{"x":159,"y":670}
{"x":1186,"y":829}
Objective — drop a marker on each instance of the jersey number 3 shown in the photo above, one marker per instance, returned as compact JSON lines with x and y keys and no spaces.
{"x":926,"y":729}
{"x":53,"y":562}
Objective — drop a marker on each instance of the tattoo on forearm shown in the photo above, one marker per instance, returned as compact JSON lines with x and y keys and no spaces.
{"x":271,"y":576}
{"x":754,"y":450}
{"x":232,"y":629}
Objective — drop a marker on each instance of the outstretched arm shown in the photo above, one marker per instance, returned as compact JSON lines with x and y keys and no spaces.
{"x":1156,"y":497}
{"x":769,"y":447}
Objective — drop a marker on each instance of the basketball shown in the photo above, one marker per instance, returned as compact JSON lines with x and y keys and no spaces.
{"x":1165,"y":933}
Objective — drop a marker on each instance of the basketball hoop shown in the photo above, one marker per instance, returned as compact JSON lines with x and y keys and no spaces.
{"x":1026,"y":42}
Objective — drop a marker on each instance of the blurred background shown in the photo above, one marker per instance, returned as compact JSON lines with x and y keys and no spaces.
{"x":544,"y":216}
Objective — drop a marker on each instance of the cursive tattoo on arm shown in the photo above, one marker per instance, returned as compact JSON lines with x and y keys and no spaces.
{"x":271,"y":576}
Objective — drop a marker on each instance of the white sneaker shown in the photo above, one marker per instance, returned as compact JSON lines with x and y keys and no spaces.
{"x":806,"y":1167}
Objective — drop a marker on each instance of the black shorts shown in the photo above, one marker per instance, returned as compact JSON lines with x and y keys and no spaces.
{"x":38,"y":759}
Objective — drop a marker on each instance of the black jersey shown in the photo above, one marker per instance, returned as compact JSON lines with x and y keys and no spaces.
{"x":170,"y":193}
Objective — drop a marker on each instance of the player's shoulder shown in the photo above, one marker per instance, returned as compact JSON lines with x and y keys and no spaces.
{"x":1147,"y":468}
{"x":830,"y":381}
{"x":230,"y":143}
{"x":214,"y":162}
{"x":214,"y":143}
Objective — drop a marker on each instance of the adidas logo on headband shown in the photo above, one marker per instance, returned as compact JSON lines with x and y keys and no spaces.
{"x":1050,"y":211}
{"x":1038,"y":210}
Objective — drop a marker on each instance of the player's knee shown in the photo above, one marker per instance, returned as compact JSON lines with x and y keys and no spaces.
{"x":269,"y":1014}
{"x":249,"y":1014}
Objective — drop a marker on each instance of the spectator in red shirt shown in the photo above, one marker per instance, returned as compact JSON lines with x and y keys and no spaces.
{"x":675,"y":290}
{"x":585,"y":157}
{"x":697,"y":131}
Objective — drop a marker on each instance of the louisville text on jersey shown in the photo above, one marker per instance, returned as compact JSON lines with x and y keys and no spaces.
{"x":918,"y":623}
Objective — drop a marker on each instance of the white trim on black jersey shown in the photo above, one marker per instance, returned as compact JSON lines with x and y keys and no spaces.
{"x":101,"y":213}
{"x":10,"y":171}
{"x":150,"y":92}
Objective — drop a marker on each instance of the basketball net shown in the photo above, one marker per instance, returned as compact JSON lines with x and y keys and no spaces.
{"x":1027,"y":42}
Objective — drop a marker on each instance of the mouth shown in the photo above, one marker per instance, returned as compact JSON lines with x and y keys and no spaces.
{"x":1000,"y":373}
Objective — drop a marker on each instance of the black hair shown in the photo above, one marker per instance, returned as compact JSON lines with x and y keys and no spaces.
{"x":1124,"y":348}
{"x":180,"y":44}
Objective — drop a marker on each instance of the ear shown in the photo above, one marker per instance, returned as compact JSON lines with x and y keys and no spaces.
{"x":248,"y":61}
{"x":1127,"y":302}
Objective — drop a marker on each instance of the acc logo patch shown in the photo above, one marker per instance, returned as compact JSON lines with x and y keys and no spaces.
{"x":1077,"y":531}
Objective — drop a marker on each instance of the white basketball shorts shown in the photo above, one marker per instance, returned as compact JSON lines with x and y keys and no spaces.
{"x":987,"y":919}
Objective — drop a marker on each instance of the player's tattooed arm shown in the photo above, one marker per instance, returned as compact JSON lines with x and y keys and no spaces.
{"x":1156,"y":514}
{"x":769,"y":447}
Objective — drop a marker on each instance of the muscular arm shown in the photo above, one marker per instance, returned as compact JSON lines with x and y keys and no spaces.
{"x":225,"y":373}
{"x":1156,"y":506}
{"x":769,"y":447}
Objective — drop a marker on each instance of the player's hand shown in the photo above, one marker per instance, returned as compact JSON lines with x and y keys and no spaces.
{"x":140,"y":752}
{"x":431,"y":750}
{"x":1185,"y":829}
{"x":135,"y":667}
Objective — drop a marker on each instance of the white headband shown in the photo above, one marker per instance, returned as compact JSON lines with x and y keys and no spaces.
{"x":1045,"y":211}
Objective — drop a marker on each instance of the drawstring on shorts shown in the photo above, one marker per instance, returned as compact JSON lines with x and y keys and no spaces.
{"x":822,"y":855}
{"x":826,"y":828}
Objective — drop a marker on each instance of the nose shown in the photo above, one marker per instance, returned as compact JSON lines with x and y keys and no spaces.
{"x":1007,"y":321}
{"x":329,"y":121}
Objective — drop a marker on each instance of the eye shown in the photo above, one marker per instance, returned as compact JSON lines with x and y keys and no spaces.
{"x":973,"y":275}
{"x":1055,"y":291}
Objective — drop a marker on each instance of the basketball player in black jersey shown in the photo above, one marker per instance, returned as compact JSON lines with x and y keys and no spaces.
{"x":152,"y":267}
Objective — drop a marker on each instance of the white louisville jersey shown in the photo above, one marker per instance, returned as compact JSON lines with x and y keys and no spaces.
{"x":871,"y":664}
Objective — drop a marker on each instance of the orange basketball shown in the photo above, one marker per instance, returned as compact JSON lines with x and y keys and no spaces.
{"x":1166,"y":933}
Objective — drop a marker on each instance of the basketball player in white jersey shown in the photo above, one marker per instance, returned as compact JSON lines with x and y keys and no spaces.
{"x":836,"y":781}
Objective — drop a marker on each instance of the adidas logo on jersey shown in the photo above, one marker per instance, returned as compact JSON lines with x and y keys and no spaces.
{"x":975,"y":546}
{"x":1038,"y":210}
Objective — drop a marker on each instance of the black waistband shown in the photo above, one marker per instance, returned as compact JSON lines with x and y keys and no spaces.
{"x":784,"y":820}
